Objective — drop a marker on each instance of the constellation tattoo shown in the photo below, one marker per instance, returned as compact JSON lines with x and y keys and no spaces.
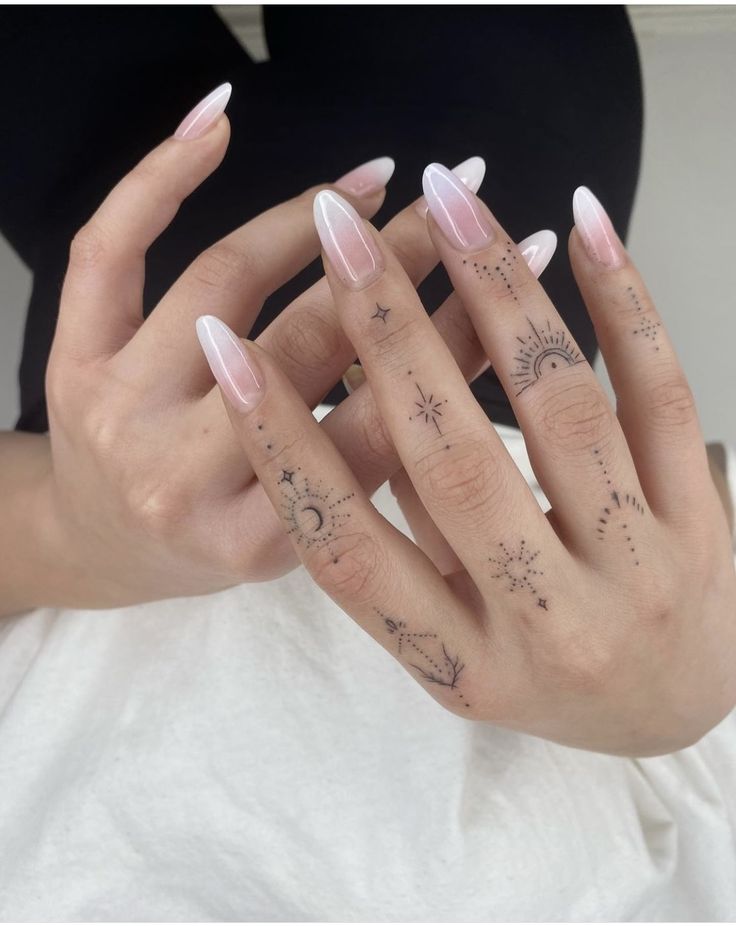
{"x":542,"y":352}
{"x":501,"y":269}
{"x":429,"y":409}
{"x":381,"y":313}
{"x":517,"y":567}
{"x":615,"y":517}
{"x":648,"y":326}
{"x":434,"y":662}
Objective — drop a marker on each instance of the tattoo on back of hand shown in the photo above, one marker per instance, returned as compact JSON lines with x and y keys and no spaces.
{"x":518,"y":567}
{"x":432,"y":659}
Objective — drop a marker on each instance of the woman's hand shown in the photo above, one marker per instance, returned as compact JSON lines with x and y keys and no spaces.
{"x":606,"y":623}
{"x":142,"y":492}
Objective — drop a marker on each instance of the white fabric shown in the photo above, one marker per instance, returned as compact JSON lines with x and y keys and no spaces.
{"x":254,"y":755}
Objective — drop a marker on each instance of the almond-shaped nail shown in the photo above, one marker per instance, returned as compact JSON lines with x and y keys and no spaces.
{"x":599,"y":237}
{"x":232,"y":365}
{"x":537,"y":250}
{"x":348,"y":244}
{"x":456,"y":210}
{"x":471,"y":172}
{"x":205,"y":113}
{"x":368,"y":178}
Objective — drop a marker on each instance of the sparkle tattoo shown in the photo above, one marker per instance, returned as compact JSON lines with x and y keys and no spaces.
{"x":381,"y":313}
{"x":517,"y":567}
{"x":542,"y":352}
{"x":433,"y":661}
{"x":429,"y":408}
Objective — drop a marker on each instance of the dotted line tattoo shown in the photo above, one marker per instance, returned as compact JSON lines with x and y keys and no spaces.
{"x":648,"y":326}
{"x":434,"y":663}
{"x":541,"y":353}
{"x":517,"y":567}
{"x":615,"y":518}
{"x":502,"y":269}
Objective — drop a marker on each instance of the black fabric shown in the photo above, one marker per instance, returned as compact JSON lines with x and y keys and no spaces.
{"x":549,"y":96}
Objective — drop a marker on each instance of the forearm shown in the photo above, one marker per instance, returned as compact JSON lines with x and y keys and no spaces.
{"x":27,"y":526}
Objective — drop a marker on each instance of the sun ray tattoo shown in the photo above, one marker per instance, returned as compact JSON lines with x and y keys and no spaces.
{"x":434,"y":663}
{"x":381,"y":313}
{"x":429,"y":409}
{"x":542,"y":352}
{"x":648,"y":326}
{"x":501,"y":268}
{"x":517,"y":566}
{"x":615,"y":518}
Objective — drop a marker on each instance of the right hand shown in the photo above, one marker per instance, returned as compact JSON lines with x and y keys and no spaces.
{"x":146,"y":495}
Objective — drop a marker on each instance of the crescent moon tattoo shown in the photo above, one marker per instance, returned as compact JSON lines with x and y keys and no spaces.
{"x":320,"y":519}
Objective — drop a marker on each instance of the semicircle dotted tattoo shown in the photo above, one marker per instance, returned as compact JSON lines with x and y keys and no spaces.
{"x":542,"y":352}
{"x":518,"y":568}
{"x":433,"y":661}
{"x":615,"y":518}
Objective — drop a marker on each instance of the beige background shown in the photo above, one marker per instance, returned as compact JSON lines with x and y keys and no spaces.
{"x":683,"y":234}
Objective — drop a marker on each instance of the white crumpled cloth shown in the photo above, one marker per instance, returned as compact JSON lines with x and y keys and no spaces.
{"x":254,"y":755}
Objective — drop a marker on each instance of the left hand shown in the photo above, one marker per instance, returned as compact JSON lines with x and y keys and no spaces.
{"x":606,"y":623}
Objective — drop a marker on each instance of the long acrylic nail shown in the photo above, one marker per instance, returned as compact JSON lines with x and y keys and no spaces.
{"x":456,"y":210}
{"x":236,"y":371}
{"x":347,"y":243}
{"x":205,"y":113}
{"x":537,"y":250}
{"x":600,"y":240}
{"x":368,"y":178}
{"x":471,"y":172}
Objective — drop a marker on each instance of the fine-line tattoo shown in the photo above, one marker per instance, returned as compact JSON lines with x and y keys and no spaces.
{"x":434,"y":662}
{"x":501,"y":268}
{"x":381,"y":313}
{"x":429,"y":409}
{"x":542,"y":352}
{"x":517,"y":567}
{"x":647,"y":326}
{"x":614,"y":519}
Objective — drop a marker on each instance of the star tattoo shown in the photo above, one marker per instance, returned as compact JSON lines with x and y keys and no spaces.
{"x":381,"y":313}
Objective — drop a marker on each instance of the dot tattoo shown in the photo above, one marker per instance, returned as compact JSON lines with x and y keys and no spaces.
{"x":434,"y":662}
{"x":517,"y":566}
{"x":381,"y":313}
{"x":615,"y":518}
{"x":429,"y":409}
{"x":501,"y":269}
{"x":648,"y":327}
{"x":542,"y":352}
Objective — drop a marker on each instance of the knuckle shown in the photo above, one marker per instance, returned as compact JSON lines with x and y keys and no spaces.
{"x":305,"y":342}
{"x":465,"y":480}
{"x":88,"y":247}
{"x":390,"y":348}
{"x":351,"y":567}
{"x":222,"y":267}
{"x":574,"y":418}
{"x":157,"y":507}
{"x":587,"y":666}
{"x":670,"y":403}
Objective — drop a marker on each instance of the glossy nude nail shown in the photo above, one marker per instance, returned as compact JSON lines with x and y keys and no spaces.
{"x":205,"y":113}
{"x":237,"y":373}
{"x":600,"y":240}
{"x":368,"y":178}
{"x":456,"y":210}
{"x":471,"y":172}
{"x":538,"y":249}
{"x":348,"y":244}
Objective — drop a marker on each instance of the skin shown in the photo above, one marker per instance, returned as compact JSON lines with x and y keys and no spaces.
{"x":140,"y":490}
{"x":618,"y":632}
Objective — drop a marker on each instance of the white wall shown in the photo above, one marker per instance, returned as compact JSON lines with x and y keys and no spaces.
{"x":684,"y":230}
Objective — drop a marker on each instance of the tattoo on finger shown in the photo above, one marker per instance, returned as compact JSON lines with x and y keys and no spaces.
{"x":618,"y":515}
{"x":647,"y":325}
{"x":498,"y":268}
{"x":542,"y":351}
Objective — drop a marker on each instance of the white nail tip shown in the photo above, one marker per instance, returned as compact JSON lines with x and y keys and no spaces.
{"x":471,"y":172}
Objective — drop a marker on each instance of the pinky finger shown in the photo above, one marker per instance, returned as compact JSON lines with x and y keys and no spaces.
{"x":367,"y":566}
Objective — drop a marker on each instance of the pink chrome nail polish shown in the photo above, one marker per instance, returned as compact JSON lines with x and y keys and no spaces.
{"x":537,"y":250}
{"x":347,"y":243}
{"x":600,"y":240}
{"x":456,"y":210}
{"x":368,"y":178}
{"x":471,"y":172}
{"x":237,"y":373}
{"x":205,"y":113}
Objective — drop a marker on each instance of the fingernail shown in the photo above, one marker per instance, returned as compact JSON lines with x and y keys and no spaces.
{"x":237,"y":373}
{"x":353,"y":377}
{"x":368,"y":178}
{"x":205,"y":113}
{"x":347,"y":243}
{"x":471,"y":172}
{"x":456,"y":210}
{"x":600,"y":240}
{"x":537,"y":250}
